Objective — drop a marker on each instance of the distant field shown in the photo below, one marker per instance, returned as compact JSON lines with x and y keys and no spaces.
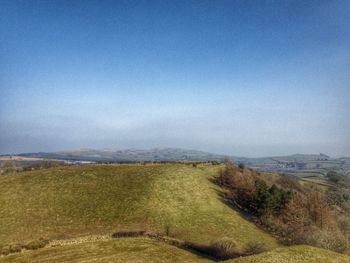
{"x":19,"y":158}
{"x":315,"y":180}
{"x":66,"y":202}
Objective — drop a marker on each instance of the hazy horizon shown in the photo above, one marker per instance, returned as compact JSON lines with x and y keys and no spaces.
{"x":262,"y":78}
{"x":175,"y":148}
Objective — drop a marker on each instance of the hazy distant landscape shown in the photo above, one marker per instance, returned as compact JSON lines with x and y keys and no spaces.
{"x":306,"y":166}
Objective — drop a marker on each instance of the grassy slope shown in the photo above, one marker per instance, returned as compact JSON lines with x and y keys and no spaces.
{"x":146,"y":250}
{"x":66,"y":202}
{"x":295,"y":254}
{"x":118,"y":250}
{"x":98,"y":199}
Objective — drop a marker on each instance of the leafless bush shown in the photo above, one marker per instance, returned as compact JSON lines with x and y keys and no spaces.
{"x":254,"y":247}
{"x":328,"y":239}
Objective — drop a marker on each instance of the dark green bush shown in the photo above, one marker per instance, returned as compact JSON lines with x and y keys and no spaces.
{"x":241,"y":166}
{"x":269,"y":200}
{"x":333,"y":177}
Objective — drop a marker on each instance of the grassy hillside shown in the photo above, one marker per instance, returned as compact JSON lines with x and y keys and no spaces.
{"x":146,"y":250}
{"x":178,"y":200}
{"x":118,"y":250}
{"x":295,"y":254}
{"x":67,"y":202}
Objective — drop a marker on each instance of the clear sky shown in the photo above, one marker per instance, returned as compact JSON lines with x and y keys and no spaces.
{"x":247,"y":78}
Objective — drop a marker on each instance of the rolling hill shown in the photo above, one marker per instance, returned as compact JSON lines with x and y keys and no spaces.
{"x":75,"y":201}
{"x":128,"y":155}
{"x":179,"y":200}
{"x":166,"y":154}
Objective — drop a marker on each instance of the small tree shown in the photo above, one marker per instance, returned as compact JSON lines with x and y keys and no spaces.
{"x":318,"y":209}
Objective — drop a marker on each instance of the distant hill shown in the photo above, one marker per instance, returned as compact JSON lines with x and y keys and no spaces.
{"x":128,"y":155}
{"x":301,"y":165}
{"x":163,"y":154}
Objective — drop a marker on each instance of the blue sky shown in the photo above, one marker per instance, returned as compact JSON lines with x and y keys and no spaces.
{"x":248,"y":78}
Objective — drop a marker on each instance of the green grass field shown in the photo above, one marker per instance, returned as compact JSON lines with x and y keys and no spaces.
{"x":78,"y":201}
{"x":146,"y":250}
{"x":117,"y":250}
{"x":66,"y":202}
{"x":295,"y":254}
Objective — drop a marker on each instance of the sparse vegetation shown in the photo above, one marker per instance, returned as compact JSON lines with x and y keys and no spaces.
{"x":43,"y":165}
{"x":297,"y":215}
{"x":254,"y":247}
{"x":224,"y":248}
{"x":8,"y":167}
{"x":18,"y":247}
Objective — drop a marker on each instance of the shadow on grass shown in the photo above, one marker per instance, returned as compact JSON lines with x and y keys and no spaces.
{"x":244,"y":213}
{"x":223,"y":198}
{"x":211,"y":252}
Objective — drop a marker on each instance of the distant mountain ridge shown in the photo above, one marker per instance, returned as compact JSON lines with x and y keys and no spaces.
{"x":162,"y":154}
{"x":128,"y":155}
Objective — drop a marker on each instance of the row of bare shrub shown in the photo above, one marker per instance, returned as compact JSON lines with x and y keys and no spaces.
{"x":18,"y":247}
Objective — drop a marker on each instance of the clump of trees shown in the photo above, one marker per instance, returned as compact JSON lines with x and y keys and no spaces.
{"x":247,"y":191}
{"x":296,"y":214}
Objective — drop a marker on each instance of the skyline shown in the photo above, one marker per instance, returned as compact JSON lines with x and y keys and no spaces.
{"x":250,"y":79}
